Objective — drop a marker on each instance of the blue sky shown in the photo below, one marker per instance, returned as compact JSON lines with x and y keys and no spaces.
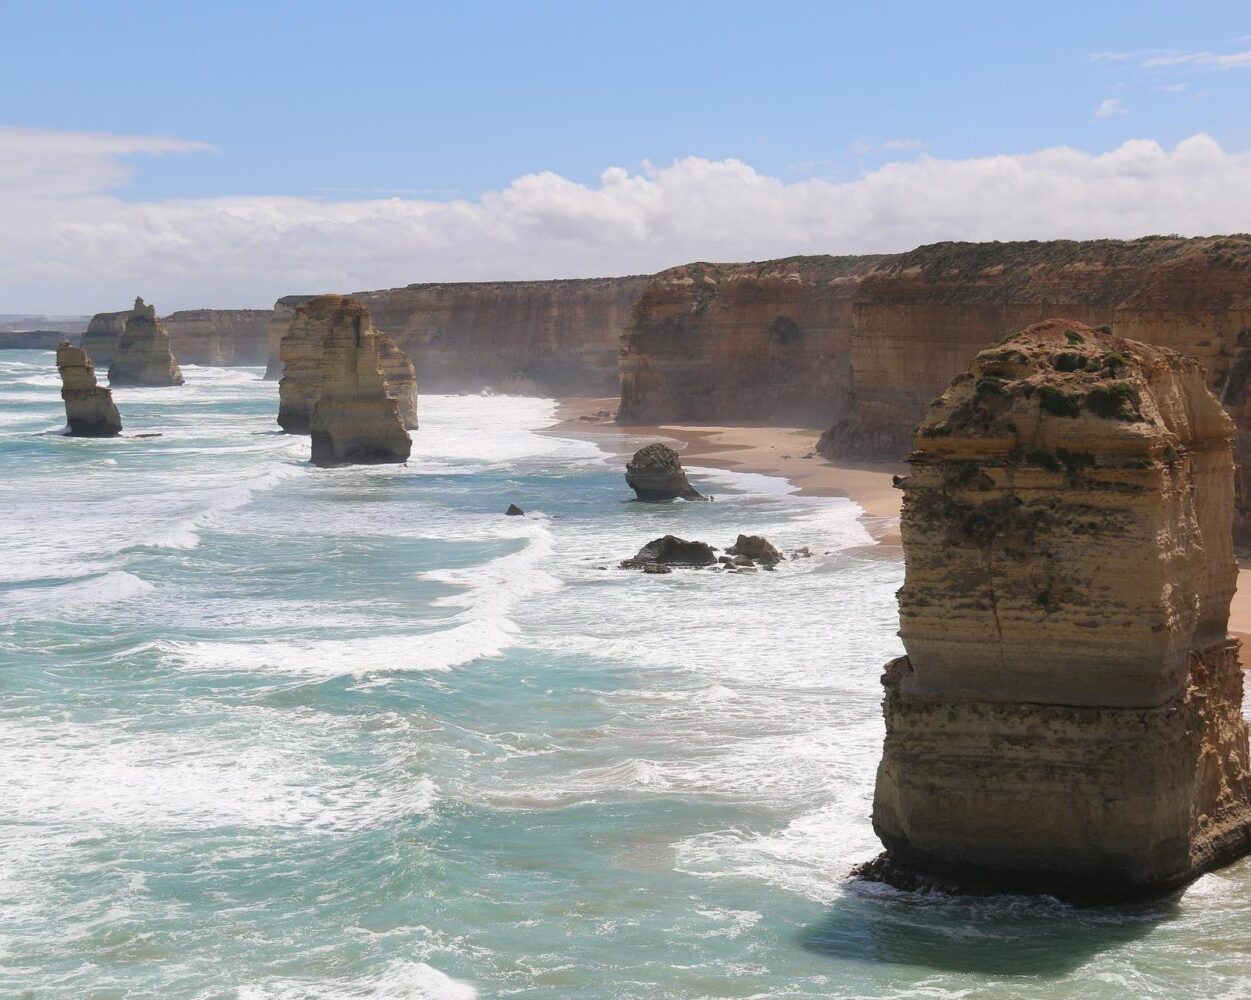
{"x":343,"y":100}
{"x":228,"y":153}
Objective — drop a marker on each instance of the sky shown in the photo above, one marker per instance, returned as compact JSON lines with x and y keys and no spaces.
{"x":225,"y":154}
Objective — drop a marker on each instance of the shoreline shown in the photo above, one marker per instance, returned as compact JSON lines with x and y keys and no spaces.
{"x":789,"y":453}
{"x":786,"y":452}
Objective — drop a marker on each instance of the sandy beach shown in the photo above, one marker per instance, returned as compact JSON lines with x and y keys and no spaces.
{"x":790,"y":452}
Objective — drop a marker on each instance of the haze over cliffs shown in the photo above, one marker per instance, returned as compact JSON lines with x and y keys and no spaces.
{"x":1068,"y":715}
{"x":527,"y":337}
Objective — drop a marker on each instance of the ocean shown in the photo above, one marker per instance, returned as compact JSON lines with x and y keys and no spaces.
{"x":272,"y":732}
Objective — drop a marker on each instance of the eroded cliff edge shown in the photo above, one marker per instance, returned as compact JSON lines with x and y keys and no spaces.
{"x":554,"y":338}
{"x":763,"y":341}
{"x":1067,"y":718}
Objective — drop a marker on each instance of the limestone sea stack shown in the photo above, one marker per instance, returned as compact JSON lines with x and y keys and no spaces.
{"x":655,"y":474}
{"x":355,"y":419}
{"x":89,"y":409}
{"x":401,"y":378}
{"x":1067,"y":718}
{"x":302,"y":347}
{"x":103,"y":332}
{"x":143,"y":356}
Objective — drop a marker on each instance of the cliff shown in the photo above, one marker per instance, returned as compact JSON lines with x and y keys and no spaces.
{"x":103,"y":332}
{"x":219,"y":336}
{"x":34,"y":340}
{"x":355,"y":419}
{"x":1067,"y":718}
{"x":765,"y":341}
{"x":279,"y":323}
{"x":89,"y":409}
{"x":303,"y":347}
{"x":142,"y":355}
{"x":525,"y":337}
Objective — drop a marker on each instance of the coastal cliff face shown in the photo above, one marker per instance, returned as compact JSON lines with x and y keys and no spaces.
{"x":89,"y":408}
{"x":768,"y":341}
{"x":104,"y":330}
{"x":219,"y":336}
{"x":355,"y":419}
{"x":314,"y":323}
{"x":1068,"y":715}
{"x":524,"y":337}
{"x":142,"y":355}
{"x":279,"y":323}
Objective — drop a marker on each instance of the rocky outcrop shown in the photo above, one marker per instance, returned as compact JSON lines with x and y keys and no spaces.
{"x":756,"y":548}
{"x":355,"y":420}
{"x":104,"y":330}
{"x":219,"y":336}
{"x":1067,"y":718}
{"x":655,"y":474}
{"x":401,"y":378}
{"x":555,"y":338}
{"x":671,"y":551}
{"x":302,"y":352}
{"x":767,"y":341}
{"x":89,"y":409}
{"x":142,"y":355}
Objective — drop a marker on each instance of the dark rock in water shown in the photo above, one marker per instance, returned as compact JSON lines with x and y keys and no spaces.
{"x":671,"y":551}
{"x":655,"y":474}
{"x":656,"y":568}
{"x":803,"y":552}
{"x":514,"y":510}
{"x":147,"y":435}
{"x":754,"y":547}
{"x":741,"y":560}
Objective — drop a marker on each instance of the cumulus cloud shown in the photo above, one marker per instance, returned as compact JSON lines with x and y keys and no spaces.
{"x":67,"y":244}
{"x":1107,"y":108}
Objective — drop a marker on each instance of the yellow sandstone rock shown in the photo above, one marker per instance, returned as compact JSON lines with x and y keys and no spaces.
{"x":89,"y":409}
{"x":1068,"y":717}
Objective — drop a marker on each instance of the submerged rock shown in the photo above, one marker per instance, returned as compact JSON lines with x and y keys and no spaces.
{"x":143,"y":355}
{"x":514,"y":511}
{"x":89,"y":408}
{"x":1068,"y":717}
{"x":655,"y":474}
{"x":672,"y":551}
{"x":355,"y":420}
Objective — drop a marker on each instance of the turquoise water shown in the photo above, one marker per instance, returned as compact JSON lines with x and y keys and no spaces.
{"x":269,"y":731}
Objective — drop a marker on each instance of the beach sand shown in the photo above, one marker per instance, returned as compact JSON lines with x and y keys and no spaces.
{"x":790,"y":452}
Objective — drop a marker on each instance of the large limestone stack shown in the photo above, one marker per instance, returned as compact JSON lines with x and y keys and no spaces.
{"x":301,"y":352}
{"x":279,"y":323}
{"x":89,"y":409}
{"x":143,"y":356}
{"x":355,"y":420}
{"x":1068,"y":717}
{"x":401,"y":378}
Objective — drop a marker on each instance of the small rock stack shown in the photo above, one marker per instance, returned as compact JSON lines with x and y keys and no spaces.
{"x":89,"y":409}
{"x":143,"y":355}
{"x":655,"y":474}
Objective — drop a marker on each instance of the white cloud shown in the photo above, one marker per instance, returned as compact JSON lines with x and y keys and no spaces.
{"x":68,"y":245}
{"x":1164,"y":58}
{"x":1108,"y":107}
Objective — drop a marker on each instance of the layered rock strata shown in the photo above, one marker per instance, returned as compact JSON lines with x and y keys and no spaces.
{"x":655,"y":474}
{"x":89,"y":408}
{"x":303,"y":349}
{"x":142,"y":355}
{"x":1067,"y":718}
{"x":104,"y":330}
{"x":355,"y":419}
{"x":554,"y":338}
{"x":219,"y":336}
{"x":765,"y":341}
{"x":280,"y":320}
